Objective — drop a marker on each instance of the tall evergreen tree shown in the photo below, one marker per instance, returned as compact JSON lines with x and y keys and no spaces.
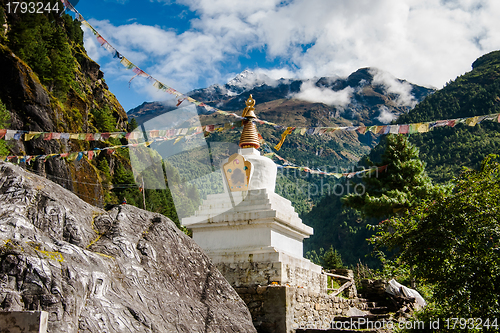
{"x":400,"y":187}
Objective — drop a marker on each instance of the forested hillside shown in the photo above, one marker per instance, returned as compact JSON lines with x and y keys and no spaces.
{"x":445,"y":150}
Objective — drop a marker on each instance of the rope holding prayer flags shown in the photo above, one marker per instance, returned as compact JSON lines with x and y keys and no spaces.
{"x":392,"y":129}
{"x":167,"y":134}
{"x":288,"y":165}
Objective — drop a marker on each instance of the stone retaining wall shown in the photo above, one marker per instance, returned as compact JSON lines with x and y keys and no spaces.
{"x":283,"y":309}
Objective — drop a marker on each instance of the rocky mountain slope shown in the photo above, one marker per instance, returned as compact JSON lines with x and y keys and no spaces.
{"x":49,"y":84}
{"x":124,"y":270}
{"x":368,"y":96}
{"x":447,"y":150}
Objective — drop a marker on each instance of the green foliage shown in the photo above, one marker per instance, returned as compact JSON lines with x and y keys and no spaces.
{"x":41,"y":40}
{"x":103,"y":166}
{"x":104,"y":120}
{"x":447,"y":150}
{"x":2,"y":20}
{"x":341,"y":227}
{"x":402,"y":187}
{"x":330,"y":259}
{"x":4,"y":123}
{"x":132,"y":125}
{"x":454,"y":243}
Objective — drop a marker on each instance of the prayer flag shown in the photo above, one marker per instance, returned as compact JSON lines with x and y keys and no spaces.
{"x":472,"y":121}
{"x":404,"y":129}
{"x":126,"y":63}
{"x":413,"y":129}
{"x":362,"y":129}
{"x":423,"y":127}
{"x":283,"y":137}
{"x":18,"y":135}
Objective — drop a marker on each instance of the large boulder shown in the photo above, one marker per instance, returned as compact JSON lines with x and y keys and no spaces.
{"x":122,"y":270}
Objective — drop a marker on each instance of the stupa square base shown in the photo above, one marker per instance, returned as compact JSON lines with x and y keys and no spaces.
{"x":269,"y":267}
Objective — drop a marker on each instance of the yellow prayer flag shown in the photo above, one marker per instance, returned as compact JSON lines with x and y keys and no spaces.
{"x":283,"y":137}
{"x":472,"y":121}
{"x":423,"y":127}
{"x":30,"y":135}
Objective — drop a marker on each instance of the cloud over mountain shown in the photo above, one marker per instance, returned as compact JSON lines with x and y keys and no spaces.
{"x":310,"y":92}
{"x":424,"y":41}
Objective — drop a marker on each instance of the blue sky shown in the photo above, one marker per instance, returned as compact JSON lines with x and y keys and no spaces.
{"x":189,"y":44}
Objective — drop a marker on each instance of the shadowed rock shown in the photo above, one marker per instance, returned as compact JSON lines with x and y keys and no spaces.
{"x":124,"y":270}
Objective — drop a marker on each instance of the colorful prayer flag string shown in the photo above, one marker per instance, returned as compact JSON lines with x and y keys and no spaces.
{"x":423,"y":127}
{"x":173,"y":133}
{"x":288,"y":165}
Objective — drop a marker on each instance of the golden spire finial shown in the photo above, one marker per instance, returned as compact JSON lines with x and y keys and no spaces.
{"x":249,"y":136}
{"x":248,"y":112}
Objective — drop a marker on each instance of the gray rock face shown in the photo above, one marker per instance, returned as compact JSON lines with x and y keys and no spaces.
{"x":125,"y":270}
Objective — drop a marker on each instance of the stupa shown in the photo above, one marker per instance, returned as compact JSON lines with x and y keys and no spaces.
{"x":252,"y":234}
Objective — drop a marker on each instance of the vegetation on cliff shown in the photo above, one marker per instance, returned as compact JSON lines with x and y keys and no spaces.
{"x":4,"y":123}
{"x":50,"y":84}
{"x":446,"y":150}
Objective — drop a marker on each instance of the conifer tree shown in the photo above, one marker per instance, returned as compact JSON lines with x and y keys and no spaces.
{"x":400,"y":187}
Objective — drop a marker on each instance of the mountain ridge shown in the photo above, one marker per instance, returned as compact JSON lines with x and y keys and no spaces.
{"x":365,"y":94}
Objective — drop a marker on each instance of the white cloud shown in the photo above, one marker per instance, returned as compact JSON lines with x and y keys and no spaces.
{"x":426,"y":42}
{"x":385,"y":116}
{"x":311,"y":93}
{"x":394,"y":86}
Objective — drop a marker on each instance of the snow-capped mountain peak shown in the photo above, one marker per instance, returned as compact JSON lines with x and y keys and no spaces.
{"x":248,"y":80}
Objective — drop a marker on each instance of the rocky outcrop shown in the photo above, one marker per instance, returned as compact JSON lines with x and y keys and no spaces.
{"x":35,"y":106}
{"x":122,"y":270}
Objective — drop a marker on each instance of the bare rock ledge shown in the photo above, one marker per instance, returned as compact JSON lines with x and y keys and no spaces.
{"x":122,"y":270}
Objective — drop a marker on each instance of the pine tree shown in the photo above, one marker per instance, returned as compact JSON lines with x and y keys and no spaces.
{"x":332,"y":259}
{"x":400,"y":187}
